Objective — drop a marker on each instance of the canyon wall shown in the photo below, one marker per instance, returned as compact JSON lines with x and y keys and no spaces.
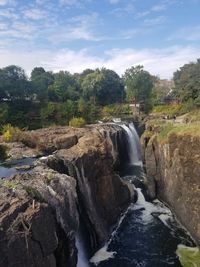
{"x":173,"y":169}
{"x":42,"y":208}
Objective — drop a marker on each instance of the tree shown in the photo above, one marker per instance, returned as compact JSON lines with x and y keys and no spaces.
{"x":13,"y":83}
{"x":138,"y":84}
{"x":187,"y":82}
{"x":41,"y":80}
{"x":103,"y":86}
{"x":64,"y":87}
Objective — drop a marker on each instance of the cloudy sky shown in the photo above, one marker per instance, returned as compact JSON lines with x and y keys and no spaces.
{"x":73,"y":35}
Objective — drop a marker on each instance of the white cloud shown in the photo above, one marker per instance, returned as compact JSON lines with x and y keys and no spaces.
{"x":8,"y":13}
{"x":6,"y":2}
{"x":35,"y":14}
{"x":78,"y":28}
{"x":162,"y":62}
{"x":155,"y":21}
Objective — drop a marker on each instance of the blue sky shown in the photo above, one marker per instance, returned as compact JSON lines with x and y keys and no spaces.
{"x":73,"y":35}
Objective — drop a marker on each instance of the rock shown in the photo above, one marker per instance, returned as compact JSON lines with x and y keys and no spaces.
{"x":102,"y":195}
{"x":17,"y":150}
{"x":24,"y":168}
{"x":79,"y":182}
{"x":35,"y":209}
{"x":175,"y":166}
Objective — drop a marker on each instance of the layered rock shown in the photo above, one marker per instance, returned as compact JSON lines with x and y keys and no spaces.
{"x":38,"y":219}
{"x":41,"y":209}
{"x":174,"y":164}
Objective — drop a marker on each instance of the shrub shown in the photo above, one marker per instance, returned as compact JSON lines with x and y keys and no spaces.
{"x":11,"y":134}
{"x":77,"y":122}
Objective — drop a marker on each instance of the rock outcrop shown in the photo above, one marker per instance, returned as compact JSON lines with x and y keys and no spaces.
{"x":173,"y":165}
{"x":41,"y":210}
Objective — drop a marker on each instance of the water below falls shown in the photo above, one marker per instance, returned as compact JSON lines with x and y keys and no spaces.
{"x":147,"y":234}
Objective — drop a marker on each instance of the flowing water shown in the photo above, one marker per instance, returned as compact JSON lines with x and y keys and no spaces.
{"x":148,"y":234}
{"x":12,"y":167}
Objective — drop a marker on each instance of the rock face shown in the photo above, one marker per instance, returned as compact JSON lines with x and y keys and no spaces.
{"x":174,"y":164}
{"x":41,"y":210}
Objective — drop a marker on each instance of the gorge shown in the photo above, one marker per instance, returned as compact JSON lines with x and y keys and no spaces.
{"x":72,"y":200}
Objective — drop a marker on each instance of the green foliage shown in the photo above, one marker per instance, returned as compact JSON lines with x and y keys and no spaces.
{"x":11,"y":134}
{"x":187,"y":82}
{"x":102,"y":87}
{"x":10,"y":184}
{"x":13,"y":83}
{"x":34,"y":193}
{"x":4,"y":112}
{"x":40,"y":80}
{"x":77,"y":122}
{"x":171,"y":110}
{"x":116,"y":110}
{"x":138,"y":83}
{"x":65,"y":87}
{"x":164,"y":129}
{"x":161,"y":89}
{"x":188,"y":256}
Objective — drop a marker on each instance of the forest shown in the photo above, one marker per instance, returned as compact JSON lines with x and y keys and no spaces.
{"x":46,"y":98}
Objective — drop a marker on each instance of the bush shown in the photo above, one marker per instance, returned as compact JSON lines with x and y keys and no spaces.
{"x":11,"y":134}
{"x":77,"y":122}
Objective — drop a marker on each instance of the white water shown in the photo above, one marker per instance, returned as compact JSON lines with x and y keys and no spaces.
{"x":150,"y":208}
{"x":103,"y":254}
{"x":82,"y":260}
{"x":133,"y":140}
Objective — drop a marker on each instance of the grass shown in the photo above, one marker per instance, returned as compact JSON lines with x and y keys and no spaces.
{"x":176,"y":109}
{"x":77,"y":122}
{"x":34,"y":193}
{"x":11,"y":133}
{"x":10,"y":184}
{"x":164,"y":129}
{"x":193,"y":116}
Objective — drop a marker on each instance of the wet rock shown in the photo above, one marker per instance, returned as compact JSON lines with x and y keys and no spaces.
{"x":174,"y":165}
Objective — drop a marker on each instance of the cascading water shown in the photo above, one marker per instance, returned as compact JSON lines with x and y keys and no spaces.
{"x":134,"y":145}
{"x":82,"y":259}
{"x":148,"y":234}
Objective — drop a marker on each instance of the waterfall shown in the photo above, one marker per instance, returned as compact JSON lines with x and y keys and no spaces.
{"x":134,"y":144}
{"x":82,"y":259}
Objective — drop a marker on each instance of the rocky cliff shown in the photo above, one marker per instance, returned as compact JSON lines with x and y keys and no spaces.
{"x":42,"y":209}
{"x":173,"y":168}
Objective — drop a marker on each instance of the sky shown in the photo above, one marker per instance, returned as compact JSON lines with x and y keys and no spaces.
{"x":161,"y":35}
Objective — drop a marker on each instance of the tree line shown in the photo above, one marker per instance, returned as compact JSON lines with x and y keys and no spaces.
{"x":46,"y":97}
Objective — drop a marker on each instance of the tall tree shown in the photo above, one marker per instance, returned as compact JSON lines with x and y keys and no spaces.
{"x":103,"y":86}
{"x":187,"y":81}
{"x":40,"y":80}
{"x":64,"y":87}
{"x":138,"y":83}
{"x":13,"y":83}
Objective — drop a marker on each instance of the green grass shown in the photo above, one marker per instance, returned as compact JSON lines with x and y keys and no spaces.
{"x":10,"y":184}
{"x":177,"y":109}
{"x":189,"y":257}
{"x":164,"y":129}
{"x":34,"y":193}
